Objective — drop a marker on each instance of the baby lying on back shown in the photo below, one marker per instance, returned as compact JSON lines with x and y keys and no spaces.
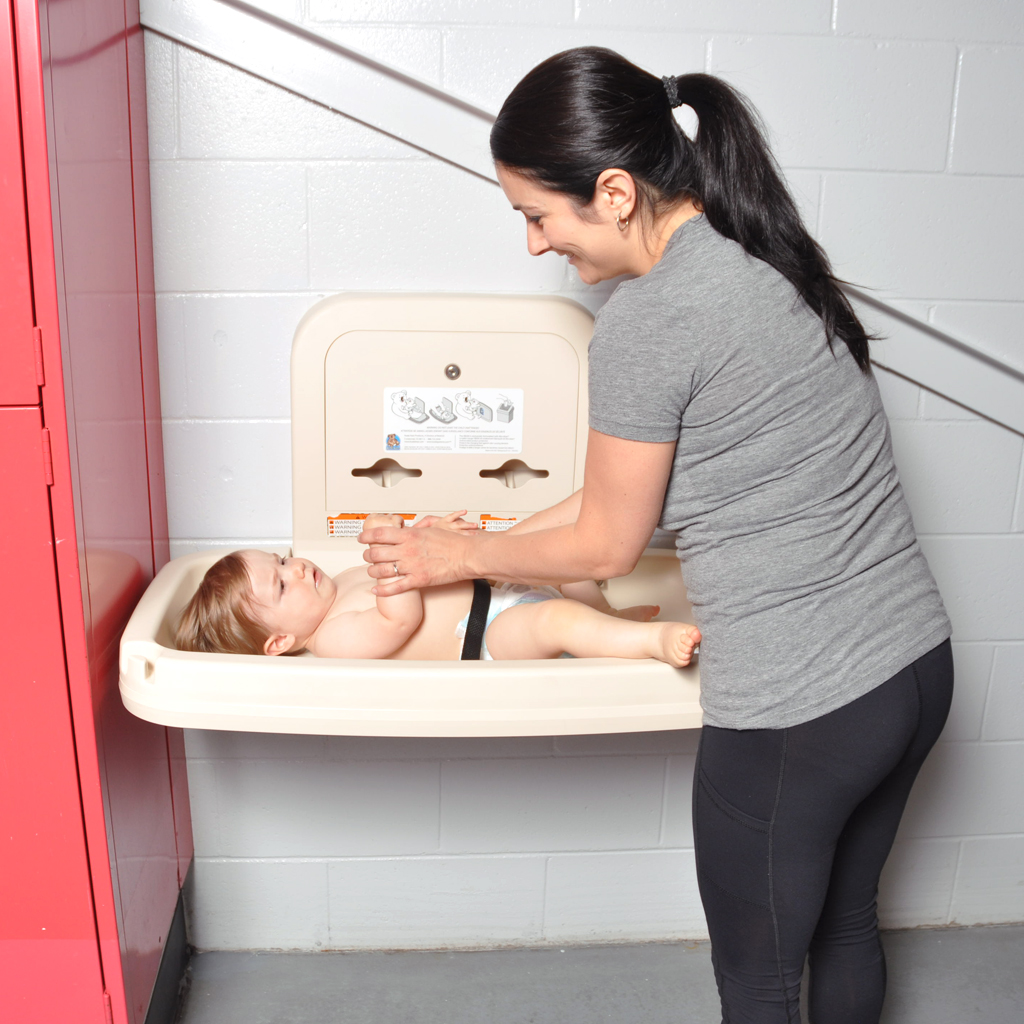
{"x":255,"y":602}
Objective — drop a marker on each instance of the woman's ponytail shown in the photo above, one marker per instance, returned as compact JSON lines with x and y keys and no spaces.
{"x":588,"y":109}
{"x":743,"y":196}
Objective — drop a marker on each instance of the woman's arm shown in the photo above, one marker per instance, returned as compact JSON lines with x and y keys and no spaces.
{"x":619,"y":507}
{"x":564,"y":512}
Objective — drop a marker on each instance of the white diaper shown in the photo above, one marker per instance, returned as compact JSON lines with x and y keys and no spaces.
{"x":508,"y":595}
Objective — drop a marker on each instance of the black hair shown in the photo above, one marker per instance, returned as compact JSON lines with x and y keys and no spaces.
{"x":587,"y":109}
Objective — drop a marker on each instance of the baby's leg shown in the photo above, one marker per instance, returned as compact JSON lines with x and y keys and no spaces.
{"x":547,"y":629}
{"x":589,"y":593}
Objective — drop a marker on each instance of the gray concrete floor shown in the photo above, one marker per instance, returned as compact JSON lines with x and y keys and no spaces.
{"x":943,"y":976}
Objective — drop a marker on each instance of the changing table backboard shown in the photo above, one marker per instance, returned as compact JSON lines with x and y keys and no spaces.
{"x":424,"y":403}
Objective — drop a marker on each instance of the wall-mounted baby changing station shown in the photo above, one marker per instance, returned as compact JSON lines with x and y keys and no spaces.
{"x":420,"y":404}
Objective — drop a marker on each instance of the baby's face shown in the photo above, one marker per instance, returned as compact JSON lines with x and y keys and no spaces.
{"x":291,"y":595}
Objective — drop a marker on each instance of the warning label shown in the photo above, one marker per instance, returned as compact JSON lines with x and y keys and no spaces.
{"x":473,"y":421}
{"x":350,"y":524}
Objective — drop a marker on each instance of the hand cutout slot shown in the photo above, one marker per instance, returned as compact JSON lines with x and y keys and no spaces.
{"x":388,"y":473}
{"x":514,"y":473}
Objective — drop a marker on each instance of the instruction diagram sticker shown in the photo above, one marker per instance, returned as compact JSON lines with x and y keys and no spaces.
{"x":468,"y":421}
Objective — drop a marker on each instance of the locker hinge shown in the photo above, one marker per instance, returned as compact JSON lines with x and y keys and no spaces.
{"x":47,"y":457}
{"x":37,"y":344}
{"x":108,"y":1009}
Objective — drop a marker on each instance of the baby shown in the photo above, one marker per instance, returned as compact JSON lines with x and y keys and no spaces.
{"x":255,"y":602}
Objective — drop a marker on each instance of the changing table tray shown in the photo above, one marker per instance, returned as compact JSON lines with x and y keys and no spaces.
{"x":327,"y":696}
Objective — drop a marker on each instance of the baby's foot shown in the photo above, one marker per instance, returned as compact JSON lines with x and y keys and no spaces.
{"x":638,"y":613}
{"x":674,"y":643}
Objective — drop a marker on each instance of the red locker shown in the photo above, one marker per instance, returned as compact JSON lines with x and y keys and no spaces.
{"x":96,"y":836}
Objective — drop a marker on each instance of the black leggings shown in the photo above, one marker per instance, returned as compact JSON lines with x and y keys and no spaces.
{"x":791,"y":828}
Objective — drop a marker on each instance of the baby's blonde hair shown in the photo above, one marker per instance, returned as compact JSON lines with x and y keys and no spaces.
{"x":220,"y":618}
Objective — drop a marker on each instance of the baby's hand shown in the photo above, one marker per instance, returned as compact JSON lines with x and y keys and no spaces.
{"x":453,"y":521}
{"x":383,"y":519}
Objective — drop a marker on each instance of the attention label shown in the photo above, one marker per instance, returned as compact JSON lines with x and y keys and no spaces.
{"x":495,"y":524}
{"x":467,"y":421}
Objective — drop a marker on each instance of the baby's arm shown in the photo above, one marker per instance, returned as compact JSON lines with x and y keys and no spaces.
{"x":375,"y":633}
{"x":453,"y":521}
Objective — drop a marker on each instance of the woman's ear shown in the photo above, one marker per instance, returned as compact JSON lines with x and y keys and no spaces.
{"x":279,"y":643}
{"x":615,"y":193}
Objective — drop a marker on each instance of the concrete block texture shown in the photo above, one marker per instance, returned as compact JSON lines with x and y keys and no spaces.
{"x":897,"y":118}
{"x":972,"y":671}
{"x":264,"y":201}
{"x":901,"y":397}
{"x":671,"y":741}
{"x":209,"y":345}
{"x":435,"y":902}
{"x":282,"y":809}
{"x":228,"y":114}
{"x":419,"y":225}
{"x":291,"y":9}
{"x":979,"y":579}
{"x":445,"y":12}
{"x":958,"y":477}
{"x":935,"y":407}
{"x":967,"y":789}
{"x":989,"y":133}
{"x":677,"y":822}
{"x":994,"y":20}
{"x":795,"y":16}
{"x":572,"y":803}
{"x":934,"y":236}
{"x":990,"y":875}
{"x":228,"y":478}
{"x":216,"y":745}
{"x":484,"y":64}
{"x":259,"y":904}
{"x":415,"y":51}
{"x":647,"y":894}
{"x":161,"y":97}
{"x":1004,"y":712}
{"x":995,"y":327}
{"x":916,"y":883}
{"x":229,"y":226}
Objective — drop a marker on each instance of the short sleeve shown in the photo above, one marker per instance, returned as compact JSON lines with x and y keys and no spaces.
{"x":642,"y":369}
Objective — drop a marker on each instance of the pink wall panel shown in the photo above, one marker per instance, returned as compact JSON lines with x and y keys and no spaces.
{"x":147,"y":298}
{"x":47,"y":928}
{"x":17,"y":359}
{"x":92,"y":273}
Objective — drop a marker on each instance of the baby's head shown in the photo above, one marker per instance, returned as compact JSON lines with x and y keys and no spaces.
{"x":255,"y":602}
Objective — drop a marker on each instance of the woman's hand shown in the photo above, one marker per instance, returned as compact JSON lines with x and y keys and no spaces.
{"x":423,"y":557}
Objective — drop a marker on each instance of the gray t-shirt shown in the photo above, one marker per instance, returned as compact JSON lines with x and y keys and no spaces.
{"x":797,"y":547}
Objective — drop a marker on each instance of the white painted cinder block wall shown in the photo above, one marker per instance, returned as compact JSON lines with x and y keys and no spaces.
{"x":900,"y":126}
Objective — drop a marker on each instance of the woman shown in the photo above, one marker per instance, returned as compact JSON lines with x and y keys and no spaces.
{"x":732,"y":401}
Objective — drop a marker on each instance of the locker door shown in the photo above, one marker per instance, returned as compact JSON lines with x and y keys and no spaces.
{"x":18,"y":385}
{"x":49,"y":956}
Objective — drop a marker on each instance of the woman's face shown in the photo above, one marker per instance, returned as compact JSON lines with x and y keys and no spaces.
{"x":595,"y":245}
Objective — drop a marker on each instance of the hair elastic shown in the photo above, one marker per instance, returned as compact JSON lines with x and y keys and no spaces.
{"x":672,"y":89}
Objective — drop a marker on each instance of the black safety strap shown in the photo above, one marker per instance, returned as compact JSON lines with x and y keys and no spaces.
{"x":477,"y":623}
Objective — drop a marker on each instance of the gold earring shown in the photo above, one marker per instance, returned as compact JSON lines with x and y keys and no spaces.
{"x":621,"y":224}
